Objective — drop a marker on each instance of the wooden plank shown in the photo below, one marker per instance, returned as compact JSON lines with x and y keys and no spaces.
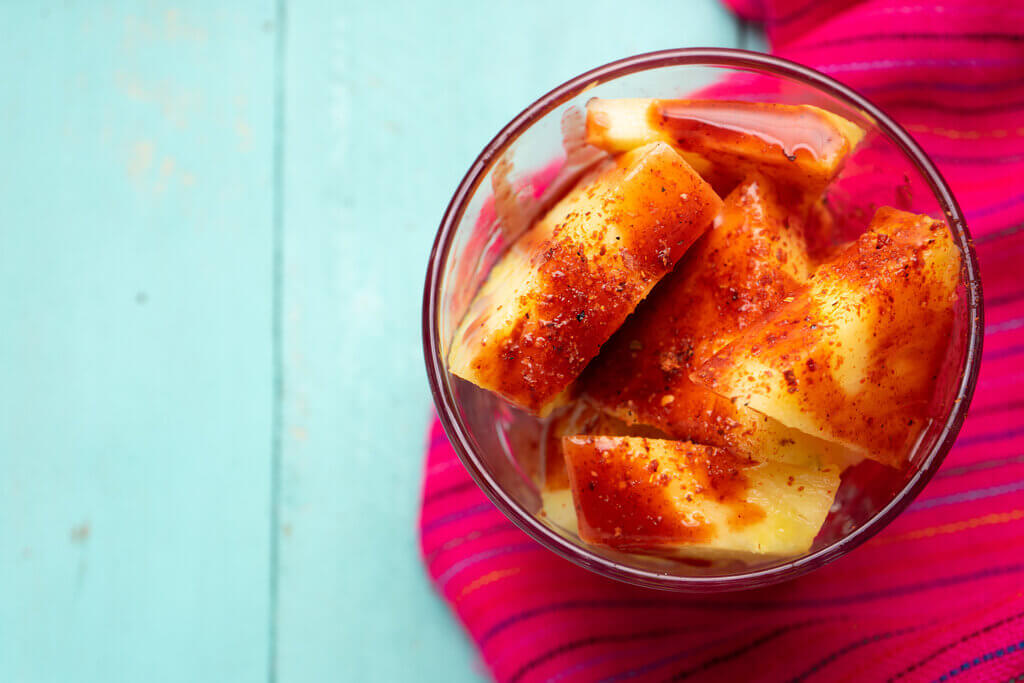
{"x":135,"y":348}
{"x":387,"y":103}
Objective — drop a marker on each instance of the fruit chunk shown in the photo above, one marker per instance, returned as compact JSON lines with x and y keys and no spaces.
{"x":581,"y":417}
{"x":637,"y":494}
{"x":855,"y":356}
{"x":744,"y":267}
{"x":798,"y":145}
{"x":568,"y":283}
{"x":557,"y":508}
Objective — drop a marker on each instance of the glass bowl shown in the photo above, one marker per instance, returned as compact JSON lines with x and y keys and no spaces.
{"x":498,"y":443}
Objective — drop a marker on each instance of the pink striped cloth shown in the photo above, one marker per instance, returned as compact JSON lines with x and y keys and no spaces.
{"x":940,"y":593}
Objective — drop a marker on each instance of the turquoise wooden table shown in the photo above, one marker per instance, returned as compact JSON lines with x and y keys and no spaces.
{"x":214,"y":224}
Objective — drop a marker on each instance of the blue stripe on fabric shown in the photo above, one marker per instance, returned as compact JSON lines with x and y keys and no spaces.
{"x":979,"y":466}
{"x":569,"y":646}
{"x":439,"y":494}
{"x":740,"y":651}
{"x":1003,"y":299}
{"x":856,"y":645}
{"x":742,"y":606}
{"x":987,"y":657}
{"x":998,"y":234}
{"x":966,"y":496}
{"x":997,"y":408}
{"x":587,"y":663}
{"x":633,"y":673}
{"x":901,"y":63}
{"x":995,"y":208}
{"x":999,"y":354}
{"x":959,"y":641}
{"x":456,"y":516}
{"x":793,"y":15}
{"x":990,"y":437}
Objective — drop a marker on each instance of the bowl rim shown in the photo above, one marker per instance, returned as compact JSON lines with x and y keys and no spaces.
{"x":579,"y":554}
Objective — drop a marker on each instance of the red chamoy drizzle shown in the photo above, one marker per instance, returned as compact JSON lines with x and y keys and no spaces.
{"x":793,"y":131}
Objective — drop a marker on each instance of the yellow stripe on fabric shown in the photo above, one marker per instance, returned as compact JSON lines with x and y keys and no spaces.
{"x":489,"y":578}
{"x":951,"y":528}
{"x":977,"y":551}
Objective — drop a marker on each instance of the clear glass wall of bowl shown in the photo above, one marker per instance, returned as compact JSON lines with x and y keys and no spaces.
{"x":499,"y":443}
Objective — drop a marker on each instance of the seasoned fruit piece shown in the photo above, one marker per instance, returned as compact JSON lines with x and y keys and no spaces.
{"x":568,"y":283}
{"x":580,"y":417}
{"x":855,"y":356}
{"x":637,"y":494}
{"x":826,"y":238}
{"x":557,"y":508}
{"x":798,"y":145}
{"x":744,"y":267}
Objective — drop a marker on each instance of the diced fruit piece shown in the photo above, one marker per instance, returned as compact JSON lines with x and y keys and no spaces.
{"x":637,"y":494}
{"x":854,"y":358}
{"x":618,"y":126}
{"x":821,"y":233}
{"x":742,"y":268}
{"x":557,"y":508}
{"x":568,"y":283}
{"x":798,"y":145}
{"x":580,"y":417}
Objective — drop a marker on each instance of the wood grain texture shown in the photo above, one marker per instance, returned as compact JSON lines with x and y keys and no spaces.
{"x":213,"y":235}
{"x":387,"y":104}
{"x":135,"y":347}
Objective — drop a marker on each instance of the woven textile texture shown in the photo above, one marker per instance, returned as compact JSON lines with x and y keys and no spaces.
{"x":937,"y":595}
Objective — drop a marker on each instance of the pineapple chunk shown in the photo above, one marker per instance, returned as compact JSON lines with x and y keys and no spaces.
{"x":557,"y":508}
{"x":674,"y":497}
{"x":580,"y":417}
{"x":568,"y":283}
{"x":855,"y":356}
{"x":744,"y":267}
{"x":798,"y":145}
